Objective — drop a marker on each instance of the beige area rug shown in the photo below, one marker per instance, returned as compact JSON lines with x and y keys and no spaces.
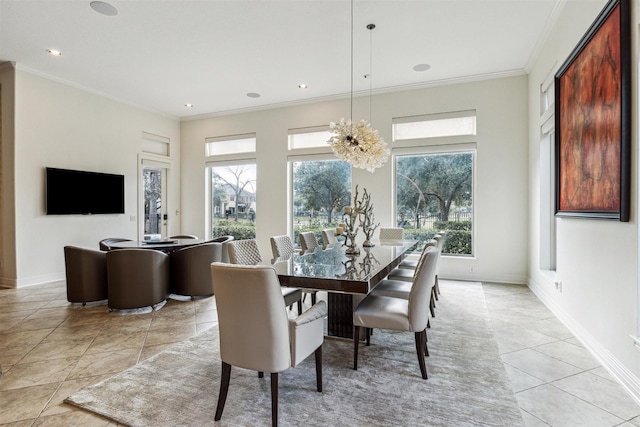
{"x":467,"y":383}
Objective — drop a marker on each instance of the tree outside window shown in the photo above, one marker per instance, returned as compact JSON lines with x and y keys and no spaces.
{"x":233,"y":199}
{"x":320,"y":191}
{"x":434,"y":192}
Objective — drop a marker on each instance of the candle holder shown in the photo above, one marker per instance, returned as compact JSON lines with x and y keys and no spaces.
{"x":365,"y":208}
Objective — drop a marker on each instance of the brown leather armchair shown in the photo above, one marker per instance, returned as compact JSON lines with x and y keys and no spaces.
{"x":86,"y":271}
{"x":137,"y":278}
{"x":191,"y":269}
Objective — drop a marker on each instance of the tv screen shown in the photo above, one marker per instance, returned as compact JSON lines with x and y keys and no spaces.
{"x":70,"y":192}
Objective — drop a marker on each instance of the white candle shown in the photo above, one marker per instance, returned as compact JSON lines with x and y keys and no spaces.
{"x":339,"y":231}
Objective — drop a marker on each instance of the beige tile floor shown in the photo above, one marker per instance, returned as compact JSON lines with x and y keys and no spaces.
{"x":49,"y":349}
{"x":557,"y":382}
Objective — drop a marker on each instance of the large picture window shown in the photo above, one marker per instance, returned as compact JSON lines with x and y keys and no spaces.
{"x":434,"y":192}
{"x":321,"y":188}
{"x":233,"y":201}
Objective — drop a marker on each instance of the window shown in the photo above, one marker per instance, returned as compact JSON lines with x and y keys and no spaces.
{"x":547,"y":175}
{"x":233,"y":200}
{"x":309,"y":137}
{"x":230,"y":145}
{"x":232,"y":186}
{"x":321,"y":188}
{"x":434,"y":192}
{"x":435,"y":125}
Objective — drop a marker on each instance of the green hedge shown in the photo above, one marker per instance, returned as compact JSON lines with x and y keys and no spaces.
{"x":239,"y":232}
{"x":457,"y":240}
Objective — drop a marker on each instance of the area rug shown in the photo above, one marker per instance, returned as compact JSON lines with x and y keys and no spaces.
{"x":467,"y":385}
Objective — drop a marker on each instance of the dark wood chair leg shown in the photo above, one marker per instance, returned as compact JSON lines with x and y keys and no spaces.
{"x":356,"y":341}
{"x":313,"y":298}
{"x":420,"y":346}
{"x":224,"y":388}
{"x":319,"y":368}
{"x":260,"y":374}
{"x":437,"y":287}
{"x":299,"y":307}
{"x":274,"y":399}
{"x":432,"y":307}
{"x":368,"y":336}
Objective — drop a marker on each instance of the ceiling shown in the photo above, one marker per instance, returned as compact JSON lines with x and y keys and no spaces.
{"x":161,"y":55}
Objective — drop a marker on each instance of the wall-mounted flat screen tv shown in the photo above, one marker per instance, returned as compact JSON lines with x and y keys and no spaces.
{"x":72,"y":192}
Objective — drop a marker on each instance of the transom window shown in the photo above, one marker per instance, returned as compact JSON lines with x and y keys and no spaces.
{"x":230,"y":145}
{"x":435,"y":125}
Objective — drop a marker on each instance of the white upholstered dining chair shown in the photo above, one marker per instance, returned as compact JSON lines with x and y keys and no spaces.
{"x":387,"y":312}
{"x":246,"y":252}
{"x":391,"y":233}
{"x":329,"y":238}
{"x":308,"y":241}
{"x":399,"y":281}
{"x":255,"y":332}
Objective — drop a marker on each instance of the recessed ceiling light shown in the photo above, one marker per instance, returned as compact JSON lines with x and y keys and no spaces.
{"x":188,"y":105}
{"x":421,"y":67}
{"x":54,"y":52}
{"x":302,"y":86}
{"x":103,"y":8}
{"x":253,"y":95}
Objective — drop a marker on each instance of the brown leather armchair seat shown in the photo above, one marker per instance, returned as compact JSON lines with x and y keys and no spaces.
{"x":137,"y":278}
{"x":86,"y":271}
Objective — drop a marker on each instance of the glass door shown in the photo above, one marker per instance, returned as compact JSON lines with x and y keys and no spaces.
{"x":154,"y":196}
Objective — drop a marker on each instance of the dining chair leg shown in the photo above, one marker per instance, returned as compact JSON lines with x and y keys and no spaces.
{"x":432,"y":307}
{"x":260,"y":374}
{"x":313,"y":298}
{"x":420,"y":346}
{"x":274,"y":399}
{"x":224,"y":388}
{"x":299,"y":307}
{"x":437,"y":286}
{"x":368,"y":336}
{"x":356,"y":341}
{"x":318,"y":353}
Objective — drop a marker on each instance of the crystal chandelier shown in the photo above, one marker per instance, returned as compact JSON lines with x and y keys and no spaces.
{"x":358,"y":143}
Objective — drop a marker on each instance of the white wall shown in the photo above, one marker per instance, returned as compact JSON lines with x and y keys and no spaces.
{"x":597,"y":261}
{"x":500,"y":178}
{"x":61,"y":126}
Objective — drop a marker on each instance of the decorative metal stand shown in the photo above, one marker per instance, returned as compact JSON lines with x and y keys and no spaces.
{"x":350,"y":229}
{"x":365,"y":208}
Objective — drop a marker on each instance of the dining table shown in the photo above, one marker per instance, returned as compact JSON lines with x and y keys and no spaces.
{"x":347,"y":278}
{"x":164,"y":245}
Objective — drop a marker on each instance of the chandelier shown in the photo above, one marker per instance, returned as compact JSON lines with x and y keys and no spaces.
{"x":358,"y":143}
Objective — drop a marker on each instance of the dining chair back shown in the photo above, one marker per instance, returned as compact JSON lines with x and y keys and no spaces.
{"x":391,"y":233}
{"x":247,"y":252}
{"x":329,"y":238}
{"x":308,"y":241}
{"x":244,"y":252}
{"x":255,"y":332}
{"x":282,"y":246}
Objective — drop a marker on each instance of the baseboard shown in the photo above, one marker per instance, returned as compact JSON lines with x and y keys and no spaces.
{"x":513,"y":279}
{"x":618,"y":371}
{"x":40,"y":280}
